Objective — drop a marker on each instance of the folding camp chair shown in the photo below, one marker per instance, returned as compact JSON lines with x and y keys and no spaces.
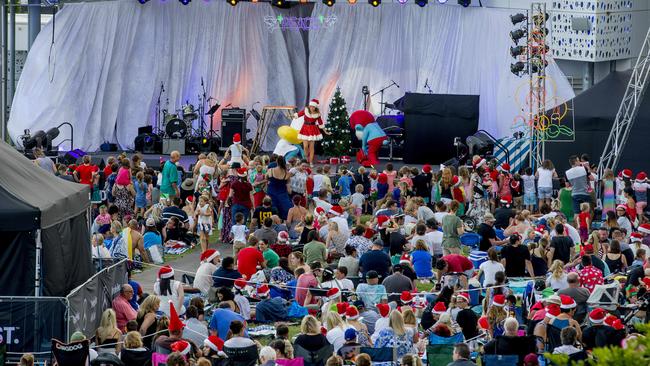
{"x":313,"y":358}
{"x":439,"y":354}
{"x":383,"y":354}
{"x":471,"y":240}
{"x":246,"y":356}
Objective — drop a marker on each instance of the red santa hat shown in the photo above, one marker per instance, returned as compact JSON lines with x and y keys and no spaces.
{"x":644,"y":228}
{"x":384,"y":310}
{"x":514,"y":184}
{"x":439,"y":308}
{"x":588,"y":248}
{"x":240,"y":283}
{"x":641,"y":177}
{"x":483,"y":322}
{"x":539,"y":231}
{"x":636,"y":237}
{"x":478,"y":161}
{"x":263,"y":291}
{"x":621,"y":207}
{"x":242,"y":172}
{"x":505,"y":167}
{"x":382,"y":221}
{"x":182,"y":347}
{"x":214,"y":343}
{"x":405,"y":258}
{"x":342,"y":307}
{"x":283,"y":237}
{"x":426,"y":169}
{"x":336,"y":210}
{"x":406,"y":297}
{"x":166,"y":272}
{"x":352,"y":313}
{"x":567,"y":302}
{"x":626,"y":173}
{"x":236,"y":138}
{"x":646,"y":282}
{"x":383,"y":178}
{"x":455,"y":181}
{"x":333,"y":293}
{"x":552,"y":311}
{"x":505,"y":200}
{"x":499,"y":300}
{"x":618,"y":324}
{"x":319,"y":211}
{"x":362,"y":118}
{"x":463,"y":295}
{"x":610,"y":319}
{"x":175,"y":323}
{"x":189,"y":199}
{"x":314,"y":103}
{"x":209,"y":255}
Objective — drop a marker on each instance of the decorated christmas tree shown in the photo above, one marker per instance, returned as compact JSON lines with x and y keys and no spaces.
{"x":337,"y":143}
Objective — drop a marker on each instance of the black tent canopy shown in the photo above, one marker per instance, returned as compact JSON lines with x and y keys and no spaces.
{"x":38,"y":208}
{"x":595,"y":112}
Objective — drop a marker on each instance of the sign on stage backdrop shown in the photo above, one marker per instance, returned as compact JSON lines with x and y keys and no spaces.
{"x":88,"y":302}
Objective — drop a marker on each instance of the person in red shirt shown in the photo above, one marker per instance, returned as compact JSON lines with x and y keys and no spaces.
{"x":241,"y":192}
{"x":107,"y":168}
{"x":84,"y":172}
{"x":455,"y":263}
{"x":249,"y":259}
{"x":590,"y":276}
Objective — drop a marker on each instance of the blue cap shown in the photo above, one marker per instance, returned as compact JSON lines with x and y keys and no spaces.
{"x":350,"y":334}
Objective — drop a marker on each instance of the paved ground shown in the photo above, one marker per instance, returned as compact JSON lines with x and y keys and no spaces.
{"x":188,"y":262}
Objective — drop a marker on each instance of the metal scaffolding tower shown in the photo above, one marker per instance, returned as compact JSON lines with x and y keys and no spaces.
{"x":627,"y":111}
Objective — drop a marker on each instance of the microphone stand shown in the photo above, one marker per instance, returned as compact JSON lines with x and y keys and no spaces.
{"x":202,"y":110}
{"x":381,"y":91}
{"x":426,"y":85}
{"x":157,"y":122}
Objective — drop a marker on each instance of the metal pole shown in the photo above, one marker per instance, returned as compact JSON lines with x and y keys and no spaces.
{"x":37,"y":274}
{"x":33,"y":20}
{"x":12,"y":50}
{"x":3,"y":81}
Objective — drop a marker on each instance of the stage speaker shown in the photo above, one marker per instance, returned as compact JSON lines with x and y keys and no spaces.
{"x":480,"y":144}
{"x":72,"y":156}
{"x":233,"y":120}
{"x":145,"y":129}
{"x":108,"y":147}
{"x":169,"y":145}
{"x":148,"y":143}
{"x":153,"y":163}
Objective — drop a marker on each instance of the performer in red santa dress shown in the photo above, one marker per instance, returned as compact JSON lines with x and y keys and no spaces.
{"x":310,"y":130}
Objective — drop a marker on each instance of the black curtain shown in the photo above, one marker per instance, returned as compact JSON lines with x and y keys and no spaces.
{"x":66,"y":256}
{"x":17,"y":260}
{"x":32,"y":323}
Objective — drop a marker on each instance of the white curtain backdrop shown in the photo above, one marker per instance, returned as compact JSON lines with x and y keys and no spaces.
{"x":112,"y":56}
{"x":459,"y":50}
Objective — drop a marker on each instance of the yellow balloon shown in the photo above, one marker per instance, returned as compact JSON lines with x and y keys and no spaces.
{"x":289,"y":134}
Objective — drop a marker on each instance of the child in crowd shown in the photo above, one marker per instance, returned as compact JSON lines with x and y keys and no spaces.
{"x":344,"y":182}
{"x":517,"y":190}
{"x":239,"y":232}
{"x":390,"y":174}
{"x":583,"y":220}
{"x":640,"y":187}
{"x":609,"y":192}
{"x":204,"y":222}
{"x":358,"y":201}
{"x":382,"y":186}
{"x":103,"y":218}
{"x":405,"y":176}
{"x":530,"y":198}
{"x":140,"y":194}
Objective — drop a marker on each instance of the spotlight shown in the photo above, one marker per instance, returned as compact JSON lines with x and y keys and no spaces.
{"x":278,"y":2}
{"x":423,"y":3}
{"x":441,"y":1}
{"x":517,"y":68}
{"x":465,"y":3}
{"x":518,"y":34}
{"x":329,"y":2}
{"x":374,"y":3}
{"x":142,"y":1}
{"x":352,"y":2}
{"x":185,"y":2}
{"x":517,"y":51}
{"x":232,"y":2}
{"x":402,"y":1}
{"x":517,"y":18}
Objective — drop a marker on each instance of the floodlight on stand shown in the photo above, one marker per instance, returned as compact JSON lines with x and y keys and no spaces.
{"x":38,"y":139}
{"x":517,"y":51}
{"x":374,"y":3}
{"x":518,"y":34}
{"x":423,"y":3}
{"x":464,"y":3}
{"x":518,"y":18}
{"x":518,"y":68}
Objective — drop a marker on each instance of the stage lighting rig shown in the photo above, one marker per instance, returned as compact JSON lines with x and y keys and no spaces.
{"x":329,"y":3}
{"x":374,"y":3}
{"x":518,"y":68}
{"x":465,"y":3}
{"x":518,"y":18}
{"x":402,"y":2}
{"x":352,"y":2}
{"x":233,"y":2}
{"x":143,"y":1}
{"x":423,"y":3}
{"x":440,"y":2}
{"x":517,"y":51}
{"x":518,"y":34}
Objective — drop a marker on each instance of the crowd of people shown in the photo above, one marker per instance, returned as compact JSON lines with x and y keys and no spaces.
{"x":491,"y":261}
